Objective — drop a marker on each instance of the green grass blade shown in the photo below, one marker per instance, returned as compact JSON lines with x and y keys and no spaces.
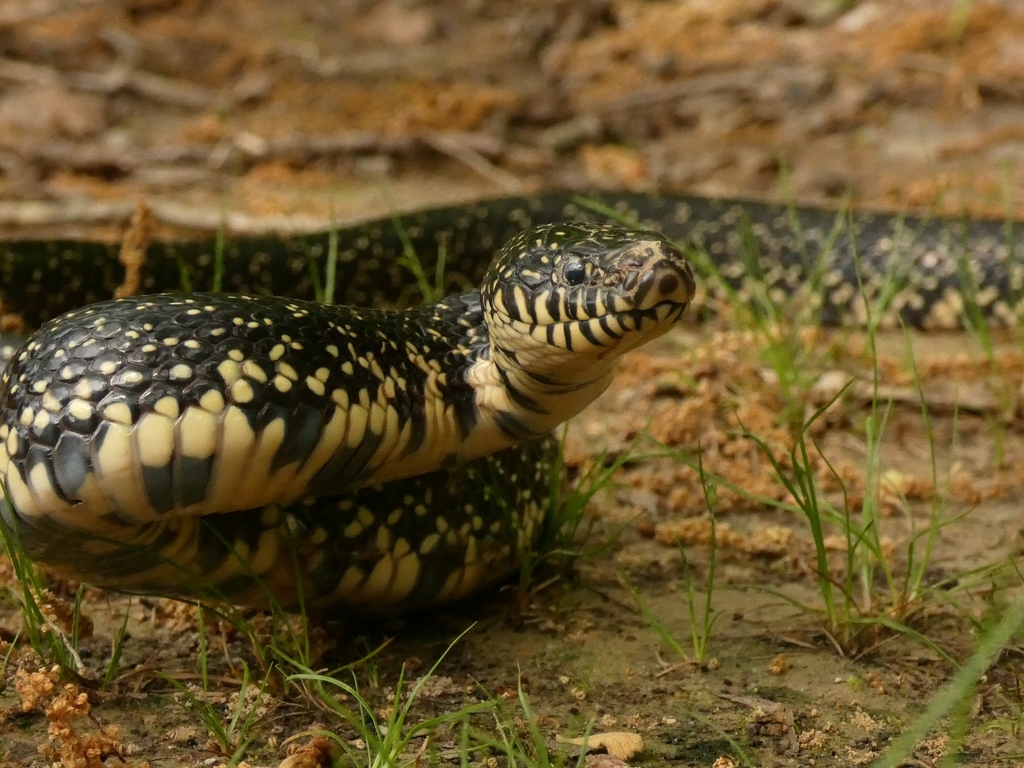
{"x":183,"y":276}
{"x":331,"y":273}
{"x":114,"y":665}
{"x":961,"y":687}
{"x":218,"y":249}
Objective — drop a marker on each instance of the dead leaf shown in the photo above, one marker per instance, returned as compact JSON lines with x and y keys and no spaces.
{"x":316,"y":753}
{"x":620,"y":744}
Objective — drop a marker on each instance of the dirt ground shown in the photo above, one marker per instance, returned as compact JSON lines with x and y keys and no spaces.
{"x":283,"y":115}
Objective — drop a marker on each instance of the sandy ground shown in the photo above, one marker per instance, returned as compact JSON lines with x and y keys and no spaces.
{"x":285,"y":115}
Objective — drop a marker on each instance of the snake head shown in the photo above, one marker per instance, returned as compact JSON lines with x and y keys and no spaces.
{"x":559,"y":298}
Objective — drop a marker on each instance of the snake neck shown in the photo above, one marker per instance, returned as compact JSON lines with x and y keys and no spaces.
{"x":479,"y":395}
{"x":492,"y":396}
{"x":513,"y":402}
{"x":514,"y":405}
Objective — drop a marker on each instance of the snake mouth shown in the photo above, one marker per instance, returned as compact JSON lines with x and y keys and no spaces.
{"x":638,"y":326}
{"x":613,"y":333}
{"x":660,"y":312}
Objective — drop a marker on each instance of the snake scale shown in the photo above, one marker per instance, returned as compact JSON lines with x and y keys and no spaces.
{"x":386,"y":455}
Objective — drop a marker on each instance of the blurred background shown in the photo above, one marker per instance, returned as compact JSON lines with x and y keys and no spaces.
{"x":278,"y":111}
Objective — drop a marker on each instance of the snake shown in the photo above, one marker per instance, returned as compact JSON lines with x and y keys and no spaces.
{"x":382,"y":454}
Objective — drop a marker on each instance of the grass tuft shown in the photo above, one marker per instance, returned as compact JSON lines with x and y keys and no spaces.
{"x":46,"y":637}
{"x":702,"y":617}
{"x":387,"y":737}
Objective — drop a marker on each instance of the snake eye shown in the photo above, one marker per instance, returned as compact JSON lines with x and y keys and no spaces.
{"x":575,"y":272}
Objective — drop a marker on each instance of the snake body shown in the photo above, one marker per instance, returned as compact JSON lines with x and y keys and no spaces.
{"x":211,"y":442}
{"x":845,"y":258}
{"x":383,"y":455}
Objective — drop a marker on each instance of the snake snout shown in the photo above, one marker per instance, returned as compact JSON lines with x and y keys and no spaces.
{"x":664,"y":279}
